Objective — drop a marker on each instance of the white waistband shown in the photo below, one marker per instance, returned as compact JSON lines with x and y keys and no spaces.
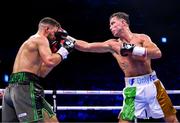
{"x":141,"y":80}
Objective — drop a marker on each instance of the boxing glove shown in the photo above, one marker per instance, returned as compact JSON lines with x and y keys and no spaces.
{"x":54,"y":45}
{"x":61,"y":34}
{"x":65,"y":40}
{"x":66,"y":47}
{"x":69,"y":45}
{"x":63,"y":52}
{"x":127,"y":49}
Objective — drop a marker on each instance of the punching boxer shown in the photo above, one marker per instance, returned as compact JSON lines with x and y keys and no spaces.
{"x":23,"y":99}
{"x":144,"y":94}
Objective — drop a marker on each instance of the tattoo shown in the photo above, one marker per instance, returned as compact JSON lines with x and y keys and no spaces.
{"x":123,"y":65}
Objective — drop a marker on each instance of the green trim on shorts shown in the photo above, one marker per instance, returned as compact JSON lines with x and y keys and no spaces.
{"x":129,"y":104}
{"x":19,"y":77}
{"x":35,"y":117}
{"x":48,"y":108}
{"x":23,"y":78}
{"x":49,"y":114}
{"x":37,"y":113}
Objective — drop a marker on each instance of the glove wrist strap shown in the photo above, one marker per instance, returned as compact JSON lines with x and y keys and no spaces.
{"x":139,"y":51}
{"x":63,"y":52}
{"x":71,"y":38}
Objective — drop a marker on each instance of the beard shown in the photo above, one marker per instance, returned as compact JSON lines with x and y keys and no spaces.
{"x":117,"y":34}
{"x":50,"y":37}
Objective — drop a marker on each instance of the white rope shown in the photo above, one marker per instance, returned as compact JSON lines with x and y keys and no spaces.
{"x":48,"y":91}
{"x":173,"y":91}
{"x":89,"y":107}
{"x":78,"y":92}
{"x":102,"y":92}
{"x":89,"y":92}
{"x":92,"y":107}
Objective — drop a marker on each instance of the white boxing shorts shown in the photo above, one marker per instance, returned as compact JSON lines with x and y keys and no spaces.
{"x":145,"y":97}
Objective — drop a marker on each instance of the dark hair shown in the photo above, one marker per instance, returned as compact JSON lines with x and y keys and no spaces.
{"x":121,"y":15}
{"x":50,"y":21}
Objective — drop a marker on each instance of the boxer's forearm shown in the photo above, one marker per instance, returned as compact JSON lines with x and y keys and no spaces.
{"x":44,"y":70}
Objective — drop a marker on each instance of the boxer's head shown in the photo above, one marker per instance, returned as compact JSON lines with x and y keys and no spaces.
{"x":118,"y":21}
{"x":121,"y":15}
{"x":50,"y":26}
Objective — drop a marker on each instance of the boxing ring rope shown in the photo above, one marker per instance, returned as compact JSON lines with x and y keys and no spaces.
{"x":78,"y":92}
{"x":89,"y":92}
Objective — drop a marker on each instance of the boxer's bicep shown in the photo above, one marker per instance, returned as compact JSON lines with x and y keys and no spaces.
{"x":152,"y":49}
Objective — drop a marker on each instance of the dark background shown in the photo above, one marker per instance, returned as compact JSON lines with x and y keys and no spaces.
{"x":89,"y":20}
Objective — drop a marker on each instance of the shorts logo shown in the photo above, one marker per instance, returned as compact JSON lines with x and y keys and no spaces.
{"x":153,"y":77}
{"x":146,"y":79}
{"x":22,"y":115}
{"x":131,"y":81}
